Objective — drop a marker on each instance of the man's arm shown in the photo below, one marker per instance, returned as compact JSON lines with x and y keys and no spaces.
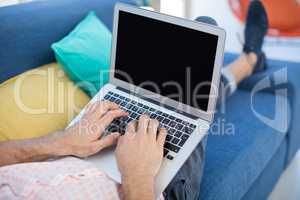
{"x":139,"y":156}
{"x":80,"y":140}
{"x":136,"y":188}
{"x":30,"y":150}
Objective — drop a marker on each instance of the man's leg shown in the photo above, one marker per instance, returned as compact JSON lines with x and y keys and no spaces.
{"x":234,"y":73}
{"x":186,"y":184}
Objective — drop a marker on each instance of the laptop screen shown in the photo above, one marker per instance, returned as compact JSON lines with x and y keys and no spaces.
{"x":167,"y":59}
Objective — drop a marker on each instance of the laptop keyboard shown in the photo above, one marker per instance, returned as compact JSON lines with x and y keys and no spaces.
{"x":178,"y":130}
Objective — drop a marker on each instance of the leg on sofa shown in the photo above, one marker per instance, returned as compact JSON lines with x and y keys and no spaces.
{"x":186,"y":184}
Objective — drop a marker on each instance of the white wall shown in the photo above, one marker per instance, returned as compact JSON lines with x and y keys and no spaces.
{"x":173,"y":7}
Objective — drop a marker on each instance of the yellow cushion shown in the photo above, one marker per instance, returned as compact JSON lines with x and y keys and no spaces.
{"x":38,"y":102}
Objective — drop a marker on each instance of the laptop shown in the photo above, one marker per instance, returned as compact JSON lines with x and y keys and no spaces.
{"x":169,"y":68}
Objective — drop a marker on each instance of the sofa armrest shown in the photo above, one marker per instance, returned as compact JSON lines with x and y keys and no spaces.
{"x":282,"y":75}
{"x":287,"y":74}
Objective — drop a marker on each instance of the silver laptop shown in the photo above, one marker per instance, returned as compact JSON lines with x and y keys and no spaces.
{"x":169,"y":68}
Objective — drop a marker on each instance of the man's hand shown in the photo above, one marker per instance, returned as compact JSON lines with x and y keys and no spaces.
{"x":139,"y":156}
{"x":83,"y":139}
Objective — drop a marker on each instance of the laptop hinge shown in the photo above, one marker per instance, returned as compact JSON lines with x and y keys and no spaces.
{"x":158,"y":103}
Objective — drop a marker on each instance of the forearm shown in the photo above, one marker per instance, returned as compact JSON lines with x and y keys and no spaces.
{"x":138,"y":188}
{"x":29,"y":150}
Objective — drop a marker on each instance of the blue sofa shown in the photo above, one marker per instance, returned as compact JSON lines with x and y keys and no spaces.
{"x":244,"y":164}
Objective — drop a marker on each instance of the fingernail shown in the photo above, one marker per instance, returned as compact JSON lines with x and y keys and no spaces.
{"x":116,"y":135}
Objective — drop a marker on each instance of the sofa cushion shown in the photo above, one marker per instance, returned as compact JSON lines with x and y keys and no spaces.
{"x":39,"y":24}
{"x":38,"y":102}
{"x":239,"y":151}
{"x":85,"y":53}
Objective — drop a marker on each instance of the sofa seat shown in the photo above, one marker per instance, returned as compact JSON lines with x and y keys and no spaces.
{"x":235,"y":161}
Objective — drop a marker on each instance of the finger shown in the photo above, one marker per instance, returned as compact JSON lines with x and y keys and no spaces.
{"x":107,"y":141}
{"x":120,"y":141}
{"x":161,"y":137}
{"x":120,"y":145}
{"x":152,"y":129}
{"x":110,"y":116}
{"x":143,"y":124}
{"x":103,"y":107}
{"x":131,"y":128}
{"x":90,"y":108}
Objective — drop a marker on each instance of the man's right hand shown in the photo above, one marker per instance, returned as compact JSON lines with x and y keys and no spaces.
{"x":139,"y":156}
{"x":83,"y":139}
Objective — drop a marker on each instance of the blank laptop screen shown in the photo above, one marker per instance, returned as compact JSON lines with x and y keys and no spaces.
{"x":174,"y":61}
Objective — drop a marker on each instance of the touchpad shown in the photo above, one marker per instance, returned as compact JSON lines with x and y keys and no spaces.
{"x":106,"y":162}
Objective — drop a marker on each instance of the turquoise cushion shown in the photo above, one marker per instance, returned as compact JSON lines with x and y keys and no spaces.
{"x":85,"y":54}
